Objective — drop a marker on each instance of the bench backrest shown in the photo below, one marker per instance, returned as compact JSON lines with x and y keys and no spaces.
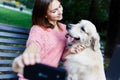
{"x":12,"y":44}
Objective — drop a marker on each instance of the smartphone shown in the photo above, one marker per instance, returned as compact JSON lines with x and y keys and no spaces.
{"x":44,"y":72}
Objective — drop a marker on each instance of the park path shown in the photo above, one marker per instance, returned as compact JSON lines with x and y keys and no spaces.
{"x":16,"y":9}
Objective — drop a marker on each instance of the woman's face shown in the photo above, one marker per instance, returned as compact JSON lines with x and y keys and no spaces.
{"x":55,"y":11}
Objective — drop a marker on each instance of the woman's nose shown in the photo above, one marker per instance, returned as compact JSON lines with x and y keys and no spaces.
{"x":60,"y":11}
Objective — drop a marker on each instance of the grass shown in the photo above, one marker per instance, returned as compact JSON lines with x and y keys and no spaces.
{"x":16,"y":18}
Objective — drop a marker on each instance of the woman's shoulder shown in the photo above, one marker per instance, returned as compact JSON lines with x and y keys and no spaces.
{"x":36,"y":28}
{"x":61,"y":24}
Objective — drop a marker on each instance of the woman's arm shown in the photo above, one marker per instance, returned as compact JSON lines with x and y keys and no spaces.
{"x":30,"y":56}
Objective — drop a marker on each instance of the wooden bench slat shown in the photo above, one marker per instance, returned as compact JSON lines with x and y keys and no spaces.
{"x":11,"y":28}
{"x":3,"y":47}
{"x":13,"y":35}
{"x":4,"y":54}
{"x":6,"y":69}
{"x":3,"y":40}
{"x":6,"y":61}
{"x":8,"y":76}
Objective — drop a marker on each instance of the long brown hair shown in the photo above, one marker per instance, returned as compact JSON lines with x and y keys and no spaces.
{"x":39,"y":12}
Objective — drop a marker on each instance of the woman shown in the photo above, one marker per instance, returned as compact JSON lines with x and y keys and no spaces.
{"x":46,"y":41}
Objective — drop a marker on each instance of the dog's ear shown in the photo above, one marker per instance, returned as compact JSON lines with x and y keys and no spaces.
{"x":95,"y":40}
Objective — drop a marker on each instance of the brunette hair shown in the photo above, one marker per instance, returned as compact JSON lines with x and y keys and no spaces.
{"x":39,"y":12}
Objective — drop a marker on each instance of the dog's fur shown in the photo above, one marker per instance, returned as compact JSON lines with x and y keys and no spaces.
{"x":87,"y":64}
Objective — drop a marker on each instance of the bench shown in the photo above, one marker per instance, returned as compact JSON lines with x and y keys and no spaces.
{"x":12,"y":44}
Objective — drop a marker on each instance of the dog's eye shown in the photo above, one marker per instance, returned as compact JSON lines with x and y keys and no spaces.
{"x":82,"y":28}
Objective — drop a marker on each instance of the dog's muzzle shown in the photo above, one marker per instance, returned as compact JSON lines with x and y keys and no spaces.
{"x":75,"y":38}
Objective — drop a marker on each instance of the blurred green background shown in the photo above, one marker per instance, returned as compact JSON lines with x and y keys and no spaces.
{"x":12,"y":17}
{"x":96,"y":11}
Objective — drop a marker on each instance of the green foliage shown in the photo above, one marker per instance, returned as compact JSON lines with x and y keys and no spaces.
{"x":28,"y":3}
{"x":14,"y":17}
{"x":101,"y":10}
{"x":74,"y":10}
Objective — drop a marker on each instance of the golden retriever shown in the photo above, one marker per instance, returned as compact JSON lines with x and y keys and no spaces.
{"x":87,"y":64}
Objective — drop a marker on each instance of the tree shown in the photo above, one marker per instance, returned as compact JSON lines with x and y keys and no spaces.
{"x":99,"y":13}
{"x":28,"y":3}
{"x":113,"y":36}
{"x":75,"y":10}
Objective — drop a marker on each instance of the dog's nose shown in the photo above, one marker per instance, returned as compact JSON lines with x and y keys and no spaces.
{"x":76,"y":38}
{"x":69,"y":26}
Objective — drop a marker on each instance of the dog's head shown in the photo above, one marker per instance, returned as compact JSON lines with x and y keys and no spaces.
{"x":86,"y":33}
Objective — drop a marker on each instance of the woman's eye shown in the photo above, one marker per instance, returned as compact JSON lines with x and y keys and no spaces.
{"x":53,"y":11}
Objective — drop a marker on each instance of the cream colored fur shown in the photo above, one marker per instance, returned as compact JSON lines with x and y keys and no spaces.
{"x":88,"y":64}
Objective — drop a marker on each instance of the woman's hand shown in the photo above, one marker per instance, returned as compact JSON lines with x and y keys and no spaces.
{"x":30,"y":56}
{"x":18,"y":65}
{"x":74,"y":49}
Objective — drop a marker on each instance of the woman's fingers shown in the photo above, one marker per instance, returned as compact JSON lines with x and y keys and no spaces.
{"x":20,"y":62}
{"x":26,"y":59}
{"x":37,"y":57}
{"x":31,"y":54}
{"x":18,"y":65}
{"x":31,"y":58}
{"x":77,"y":48}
